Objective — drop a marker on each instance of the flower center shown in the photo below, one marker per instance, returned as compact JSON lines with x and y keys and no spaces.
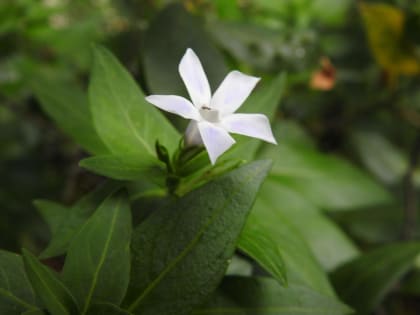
{"x":209,"y":114}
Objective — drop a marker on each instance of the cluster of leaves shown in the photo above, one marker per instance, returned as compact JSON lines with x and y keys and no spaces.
{"x":308,"y":228}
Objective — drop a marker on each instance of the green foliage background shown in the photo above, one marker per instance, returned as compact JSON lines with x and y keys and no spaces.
{"x":337,"y":216}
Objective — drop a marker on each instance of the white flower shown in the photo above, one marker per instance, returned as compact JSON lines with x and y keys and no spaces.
{"x":213,"y":116}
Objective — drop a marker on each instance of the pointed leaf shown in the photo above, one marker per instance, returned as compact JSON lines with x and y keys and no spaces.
{"x":181,"y":253}
{"x":98,"y":260}
{"x":125,"y":167}
{"x":53,"y":213}
{"x":16,"y":294}
{"x":279,"y":247}
{"x":327,"y":181}
{"x":264,"y":296}
{"x":54,"y":295}
{"x":123,"y":119}
{"x":364,"y":282}
{"x":68,"y":106}
{"x":66,"y":222}
{"x":328,"y":243}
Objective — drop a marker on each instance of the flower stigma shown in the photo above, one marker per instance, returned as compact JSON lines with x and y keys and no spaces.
{"x":209,"y":114}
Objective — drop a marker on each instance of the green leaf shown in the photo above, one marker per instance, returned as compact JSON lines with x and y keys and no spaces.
{"x":55,"y":296}
{"x":98,"y":260}
{"x":125,"y":167}
{"x":68,"y":106}
{"x":327,"y":181}
{"x":162,"y":54}
{"x":53,"y":213}
{"x":16,"y":294}
{"x":123,"y":119}
{"x":328,"y":243}
{"x":264,"y":296}
{"x":380,"y":156}
{"x":276,"y":244}
{"x":65,"y":222}
{"x":107,"y":309}
{"x":364,"y":282}
{"x":180,"y":253}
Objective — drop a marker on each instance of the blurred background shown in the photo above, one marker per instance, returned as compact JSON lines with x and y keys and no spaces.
{"x":352,"y":91}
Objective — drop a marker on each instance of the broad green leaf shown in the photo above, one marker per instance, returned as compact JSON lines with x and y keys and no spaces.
{"x":65,"y":222}
{"x":123,"y":119}
{"x":16,"y":294}
{"x":125,"y":167}
{"x":380,"y":156}
{"x":53,"y":213}
{"x":98,"y":260}
{"x":328,"y":243}
{"x":106,"y":309}
{"x":162,"y":54}
{"x":264,"y":296}
{"x":54,"y":295}
{"x":263,"y":248}
{"x":364,"y":282}
{"x":275,"y":243}
{"x":327,"y":181}
{"x":181,"y":253}
{"x":68,"y":106}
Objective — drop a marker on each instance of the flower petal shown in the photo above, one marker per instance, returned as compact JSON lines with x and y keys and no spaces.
{"x":251,"y":125}
{"x":195,"y":79}
{"x":215,"y":139}
{"x":176,"y":105}
{"x":233,"y":91}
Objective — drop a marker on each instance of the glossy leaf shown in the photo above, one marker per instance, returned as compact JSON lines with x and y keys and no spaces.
{"x":54,"y":295}
{"x":161,"y":55}
{"x":123,"y":119}
{"x":68,"y":106}
{"x":181,"y":253}
{"x":125,"y":167}
{"x":98,"y":260}
{"x":16,"y":293}
{"x":275,"y":243}
{"x":327,"y":181}
{"x":364,"y":282}
{"x":380,"y":156}
{"x":327,"y":241}
{"x":264,"y":296}
{"x":65,"y":222}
